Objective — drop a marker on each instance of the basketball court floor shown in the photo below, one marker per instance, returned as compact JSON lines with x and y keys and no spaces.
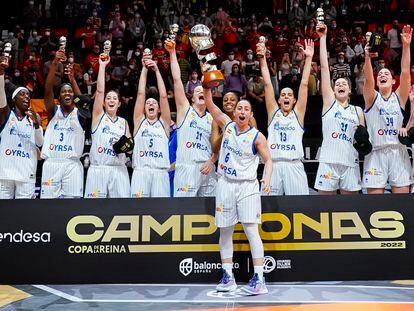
{"x":298,"y":296}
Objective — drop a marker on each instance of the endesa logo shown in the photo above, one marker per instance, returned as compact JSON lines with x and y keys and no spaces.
{"x":151,"y":154}
{"x":17,"y":153}
{"x":341,"y":136}
{"x":107,"y":151}
{"x":386,"y":132}
{"x":194,"y":145}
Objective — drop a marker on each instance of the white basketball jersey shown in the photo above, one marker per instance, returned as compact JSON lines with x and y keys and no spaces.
{"x":285,"y":136}
{"x":64,"y":137}
{"x":18,"y":158}
{"x":103,"y":137}
{"x":384,"y":119}
{"x":193,"y":138}
{"x":338,"y":129}
{"x":151,"y":146}
{"x":238,"y":158}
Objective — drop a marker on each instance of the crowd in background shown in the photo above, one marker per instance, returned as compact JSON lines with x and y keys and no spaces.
{"x":134,"y":25}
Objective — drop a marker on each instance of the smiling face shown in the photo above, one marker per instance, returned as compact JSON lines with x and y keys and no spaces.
{"x":342,"y":89}
{"x":111,"y":103}
{"x":22,"y":100}
{"x":385,"y":80}
{"x":229,"y":102}
{"x":198,"y":96}
{"x":152,"y":109}
{"x":66,"y":95}
{"x":286,"y":100}
{"x":243,"y":113}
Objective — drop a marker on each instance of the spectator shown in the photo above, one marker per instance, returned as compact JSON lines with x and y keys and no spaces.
{"x":137,"y":29}
{"x":188,"y":17}
{"x":394,"y":36}
{"x":33,"y":41}
{"x":89,"y":80}
{"x":58,"y":73}
{"x":31,"y":15}
{"x":96,"y":20}
{"x":235,"y":82}
{"x":341,"y":69}
{"x":220,"y":19}
{"x":117,"y":26}
{"x":255,"y":94}
{"x":229,"y":36}
{"x":204,"y":19}
{"x":192,"y":84}
{"x":285,"y":66}
{"x":47,"y":44}
{"x":154,"y":31}
{"x":272,"y":66}
{"x":86,"y":34}
{"x":227,"y":65}
{"x":91,"y":59}
{"x":359,"y":78}
{"x":249,"y":65}
{"x":171,"y":19}
{"x":280,"y":47}
{"x":104,"y":35}
{"x":292,"y":79}
{"x":330,"y":12}
{"x":296,"y":14}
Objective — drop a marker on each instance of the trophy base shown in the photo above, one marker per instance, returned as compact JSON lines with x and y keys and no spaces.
{"x":213,"y":78}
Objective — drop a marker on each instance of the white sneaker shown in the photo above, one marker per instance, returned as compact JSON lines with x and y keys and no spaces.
{"x":255,"y":286}
{"x":227,"y":283}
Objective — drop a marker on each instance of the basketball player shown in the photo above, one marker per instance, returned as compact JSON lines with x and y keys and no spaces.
{"x":389,"y":161}
{"x":194,"y":171}
{"x":238,"y":195}
{"x":338,"y":161}
{"x":285,"y":128}
{"x":230,"y":100}
{"x":150,"y":159}
{"x":20,"y":135}
{"x":62,"y":174}
{"x":107,"y":174}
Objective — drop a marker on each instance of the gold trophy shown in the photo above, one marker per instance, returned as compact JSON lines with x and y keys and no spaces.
{"x":261,"y":47}
{"x":4,"y":60}
{"x":174,"y":28}
{"x":200,"y":39}
{"x":106,"y":50}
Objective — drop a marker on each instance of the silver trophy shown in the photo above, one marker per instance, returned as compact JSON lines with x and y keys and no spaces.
{"x":320,"y":16}
{"x":261,"y":47}
{"x":106,"y":50}
{"x":62,"y":44}
{"x":6,"y":54}
{"x":200,"y":39}
{"x":174,"y":28}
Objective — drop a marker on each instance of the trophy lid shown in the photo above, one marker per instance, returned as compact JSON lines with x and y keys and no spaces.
{"x":200,"y":37}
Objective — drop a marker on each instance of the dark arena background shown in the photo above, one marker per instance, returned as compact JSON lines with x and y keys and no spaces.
{"x":322,"y":253}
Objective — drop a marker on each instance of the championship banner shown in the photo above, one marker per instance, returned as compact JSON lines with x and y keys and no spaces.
{"x":306,"y":238}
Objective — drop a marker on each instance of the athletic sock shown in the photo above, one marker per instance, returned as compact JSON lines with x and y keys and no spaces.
{"x":259,"y":271}
{"x":228,"y":267}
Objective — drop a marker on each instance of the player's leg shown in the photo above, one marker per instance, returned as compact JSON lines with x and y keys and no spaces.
{"x":96,"y":182}
{"x":349,"y":180}
{"x":225,"y":219}
{"x":160,"y":184}
{"x":399,"y":170}
{"x":276,"y":183}
{"x":141,"y":183}
{"x":51,"y":187}
{"x":118,"y":185}
{"x":187,"y":180}
{"x":6,"y":189}
{"x":375,"y":172}
{"x":25,"y":190}
{"x":327,"y":179}
{"x":72,"y":180}
{"x":296,"y":180}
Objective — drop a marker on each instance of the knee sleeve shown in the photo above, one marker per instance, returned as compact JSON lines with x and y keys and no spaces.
{"x":256,"y":245}
{"x":226,"y":242}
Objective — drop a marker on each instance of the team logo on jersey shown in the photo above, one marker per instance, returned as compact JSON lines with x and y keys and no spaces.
{"x":228,"y":170}
{"x":341,"y":136}
{"x":194,"y":145}
{"x":278,"y":115}
{"x":151,"y":154}
{"x":48,"y":182}
{"x":326,"y":176}
{"x":183,"y":189}
{"x":229,"y":131}
{"x":278,"y":127}
{"x":387,"y":132}
{"x":53,"y":147}
{"x":383,"y":112}
{"x":138,"y":194}
{"x":230,"y":148}
{"x":107,"y":151}
{"x":56,"y":127}
{"x":219,"y":208}
{"x":373,"y":172}
{"x":283,"y":147}
{"x":93,"y":194}
{"x":17,"y":153}
{"x":193,"y":124}
{"x":13,"y":130}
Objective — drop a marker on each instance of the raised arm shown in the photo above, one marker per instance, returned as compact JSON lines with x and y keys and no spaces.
{"x":405,"y":77}
{"x":369,"y":82}
{"x":300,"y":106}
{"x":328,"y":94}
{"x":164,"y":105}
{"x":4,"y":108}
{"x":50,"y":79}
{"x":140,"y":101}
{"x":271,"y":104}
{"x":219,"y":117}
{"x":180,"y":99}
{"x":71,"y":75}
{"x":98,"y":105}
